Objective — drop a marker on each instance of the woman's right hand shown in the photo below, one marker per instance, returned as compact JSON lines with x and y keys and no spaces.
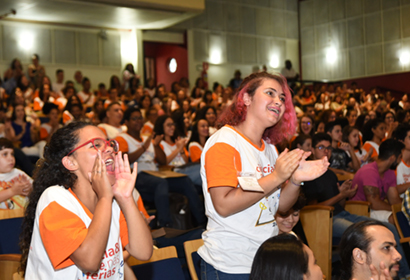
{"x":99,"y":179}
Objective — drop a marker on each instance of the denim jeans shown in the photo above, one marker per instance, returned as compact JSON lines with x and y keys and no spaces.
{"x":344,"y":219}
{"x":156,"y":189}
{"x":208,"y":272}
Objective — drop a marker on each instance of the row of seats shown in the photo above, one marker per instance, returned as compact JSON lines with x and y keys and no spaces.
{"x":164,"y":264}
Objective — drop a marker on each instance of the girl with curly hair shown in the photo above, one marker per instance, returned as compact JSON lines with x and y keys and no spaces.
{"x":81,"y":212}
{"x":243,"y":176}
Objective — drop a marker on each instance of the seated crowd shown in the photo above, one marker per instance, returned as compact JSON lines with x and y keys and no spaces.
{"x":365,"y":136}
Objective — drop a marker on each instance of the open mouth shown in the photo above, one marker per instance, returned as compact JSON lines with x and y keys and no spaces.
{"x":275,"y":110}
{"x":109,"y":163}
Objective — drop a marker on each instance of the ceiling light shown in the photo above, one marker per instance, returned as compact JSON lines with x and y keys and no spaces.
{"x":274,"y":61}
{"x":331,"y":55}
{"x":405,"y":57}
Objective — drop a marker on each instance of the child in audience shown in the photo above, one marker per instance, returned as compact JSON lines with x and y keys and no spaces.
{"x":82,"y":213}
{"x":15,"y":185}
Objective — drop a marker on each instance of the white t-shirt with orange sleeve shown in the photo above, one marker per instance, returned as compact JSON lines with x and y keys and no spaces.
{"x":60,"y":226}
{"x":129,"y":144}
{"x":111,"y":131}
{"x":6,"y":181}
{"x":370,"y":144}
{"x":230,"y":243}
{"x":148,"y":128}
{"x":178,"y":160}
{"x":195,"y":151}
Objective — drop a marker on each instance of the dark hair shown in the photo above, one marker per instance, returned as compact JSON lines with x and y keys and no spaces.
{"x":195,"y":134}
{"x":350,"y":110}
{"x":114,"y":77}
{"x":5,"y":144}
{"x":159,"y":126}
{"x":178,"y":118}
{"x":280,"y":257}
{"x":388,"y":112}
{"x":85,"y":79}
{"x":400,"y":132}
{"x":128,"y":113}
{"x":355,"y":236}
{"x":201,"y":113}
{"x":389,"y":148}
{"x":345,"y":137}
{"x":331,"y":125}
{"x":48,"y":107}
{"x":367,"y":132}
{"x":70,"y":103}
{"x":66,"y":88}
{"x":36,"y":56}
{"x":360,"y":121}
{"x":49,"y":171}
{"x":324,"y":117}
{"x":300,"y":139}
{"x":319,"y":137}
{"x":58,"y":71}
{"x":13,"y":114}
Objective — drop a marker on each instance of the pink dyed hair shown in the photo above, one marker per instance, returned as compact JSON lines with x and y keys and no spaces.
{"x":236,"y":112}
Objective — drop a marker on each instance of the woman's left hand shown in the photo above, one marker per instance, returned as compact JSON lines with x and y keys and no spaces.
{"x":124,"y":179}
{"x":309,"y":170}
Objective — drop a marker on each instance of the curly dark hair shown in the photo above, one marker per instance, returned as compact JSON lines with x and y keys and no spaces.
{"x":49,"y":171}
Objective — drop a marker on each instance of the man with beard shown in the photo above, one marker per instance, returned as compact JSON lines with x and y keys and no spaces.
{"x":376,"y":181}
{"x":326,"y":190}
{"x":367,"y":251}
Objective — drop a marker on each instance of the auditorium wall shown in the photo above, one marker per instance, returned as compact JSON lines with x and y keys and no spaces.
{"x":347,"y":39}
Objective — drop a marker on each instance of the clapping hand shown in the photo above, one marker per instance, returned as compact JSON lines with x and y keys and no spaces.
{"x":309,"y":170}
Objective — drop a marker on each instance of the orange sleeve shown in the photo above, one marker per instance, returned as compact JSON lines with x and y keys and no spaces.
{"x":66,"y":117}
{"x":195,"y":153}
{"x":146,"y":130}
{"x":367,"y":147}
{"x":122,"y":143}
{"x":221,"y":170}
{"x":103,"y":130}
{"x":141,"y":207}
{"x":123,"y":231}
{"x":43,"y":133}
{"x":62,"y":232}
{"x":37,"y":106}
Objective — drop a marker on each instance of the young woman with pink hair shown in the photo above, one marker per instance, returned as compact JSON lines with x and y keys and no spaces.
{"x":240,"y":158}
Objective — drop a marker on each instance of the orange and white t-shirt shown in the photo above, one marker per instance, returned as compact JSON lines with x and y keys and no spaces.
{"x":111,"y":131}
{"x":230,"y":243}
{"x":147,"y":129}
{"x":370,"y":144}
{"x":129,"y":144}
{"x":45,"y":130}
{"x":178,"y":160}
{"x":6,"y":181}
{"x":403,"y":174}
{"x":195,"y":151}
{"x":60,"y":226}
{"x":86,"y":99}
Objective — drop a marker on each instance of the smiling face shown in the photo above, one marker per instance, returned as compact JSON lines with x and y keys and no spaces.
{"x":135,"y":122}
{"x":115,"y":114}
{"x":210,"y":116}
{"x":85,"y":156}
{"x":286,"y":221}
{"x":306,"y":125}
{"x":203,"y":128}
{"x":169,"y":127}
{"x":267,"y":105}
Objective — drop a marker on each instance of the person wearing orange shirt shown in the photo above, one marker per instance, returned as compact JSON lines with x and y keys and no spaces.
{"x":373,"y":134}
{"x":81,"y":214}
{"x":200,"y":133}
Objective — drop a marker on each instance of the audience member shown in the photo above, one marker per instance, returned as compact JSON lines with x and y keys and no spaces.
{"x":373,"y":133}
{"x":367,"y":251}
{"x":376,"y":181}
{"x":112,"y":127}
{"x":15,"y":185}
{"x":58,"y":85}
{"x":285,"y":257}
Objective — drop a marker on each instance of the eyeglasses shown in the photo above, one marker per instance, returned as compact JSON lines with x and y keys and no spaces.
{"x":321,"y":148}
{"x":99,"y":144}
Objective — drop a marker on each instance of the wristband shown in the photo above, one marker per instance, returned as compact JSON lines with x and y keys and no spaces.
{"x":301,"y":183}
